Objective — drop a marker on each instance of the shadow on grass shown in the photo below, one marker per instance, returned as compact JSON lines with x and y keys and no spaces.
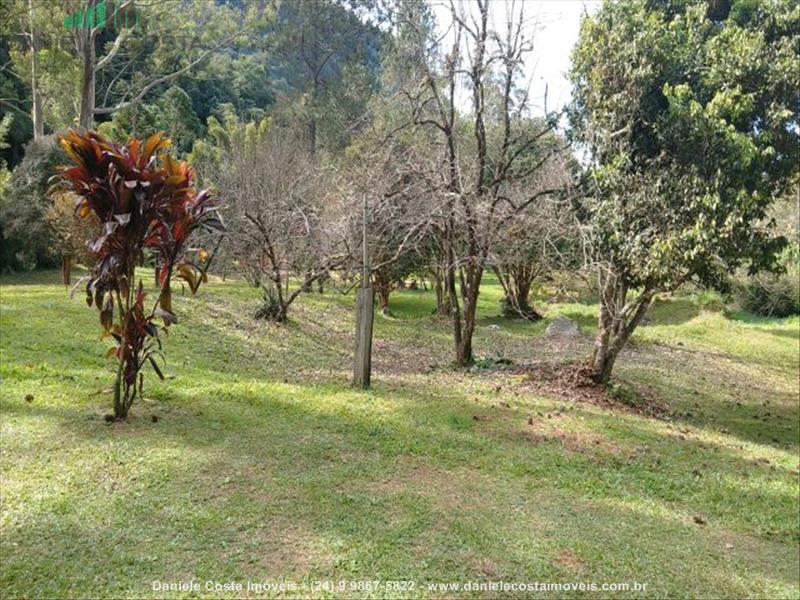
{"x":359,"y":472}
{"x":430,"y":421}
{"x":586,"y":322}
{"x":249,"y":455}
{"x":672,"y":311}
{"x":728,"y":399}
{"x":793,"y":334}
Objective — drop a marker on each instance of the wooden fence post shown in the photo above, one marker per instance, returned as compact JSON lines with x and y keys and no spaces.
{"x":365,"y":313}
{"x":364,"y":316}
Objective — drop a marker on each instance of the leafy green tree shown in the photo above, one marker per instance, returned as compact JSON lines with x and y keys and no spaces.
{"x":33,"y":71}
{"x":5,"y":177}
{"x":5,"y":124}
{"x":70,"y":233}
{"x":326,"y":58}
{"x":776,"y":294}
{"x":225,"y":131}
{"x":171,"y":40}
{"x":171,"y":112}
{"x":688,"y":114}
{"x":6,"y":253}
{"x":81,"y":75}
{"x":241,"y":79}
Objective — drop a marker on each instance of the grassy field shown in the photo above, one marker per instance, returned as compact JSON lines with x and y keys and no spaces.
{"x":263,"y":465}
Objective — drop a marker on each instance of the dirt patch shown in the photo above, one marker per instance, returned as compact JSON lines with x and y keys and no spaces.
{"x":284,"y":548}
{"x":568,"y":559}
{"x":570,"y":381}
{"x":571,"y":441}
{"x":398,"y":358}
{"x":454,"y":488}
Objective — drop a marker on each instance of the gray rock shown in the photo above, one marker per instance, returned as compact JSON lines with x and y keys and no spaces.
{"x":563,"y":327}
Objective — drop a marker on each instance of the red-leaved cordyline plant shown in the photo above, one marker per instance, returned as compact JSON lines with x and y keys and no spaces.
{"x":144,"y":200}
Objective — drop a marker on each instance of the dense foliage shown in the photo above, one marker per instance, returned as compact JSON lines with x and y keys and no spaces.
{"x":70,"y":232}
{"x":689,"y":117}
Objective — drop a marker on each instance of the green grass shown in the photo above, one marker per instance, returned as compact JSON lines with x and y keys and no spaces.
{"x":265,"y":465}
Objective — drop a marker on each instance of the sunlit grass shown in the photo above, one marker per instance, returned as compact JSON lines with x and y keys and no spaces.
{"x":265,"y":465}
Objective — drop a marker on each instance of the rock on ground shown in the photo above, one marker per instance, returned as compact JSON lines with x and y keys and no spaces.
{"x":563,"y":327}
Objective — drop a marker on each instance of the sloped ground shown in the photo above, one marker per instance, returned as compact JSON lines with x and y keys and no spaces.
{"x":264,"y":465}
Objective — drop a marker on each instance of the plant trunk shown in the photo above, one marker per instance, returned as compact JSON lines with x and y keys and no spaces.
{"x":86,"y":117}
{"x":383,"y":287}
{"x":124,"y":393}
{"x":442,"y":300}
{"x":603,"y":358}
{"x":463,"y":351}
{"x":66,"y":269}
{"x":617,"y":321}
{"x":516,"y":281}
{"x":36,"y":105}
{"x":119,"y":413}
{"x":283,"y":313}
{"x":383,"y":299}
{"x":464,"y":355}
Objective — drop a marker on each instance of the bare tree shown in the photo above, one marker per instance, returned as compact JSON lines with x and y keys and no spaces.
{"x":538,"y":240}
{"x":382,"y":169}
{"x":485,"y":149}
{"x":275,"y":194}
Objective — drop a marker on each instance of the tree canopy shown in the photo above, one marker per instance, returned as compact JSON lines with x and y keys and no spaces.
{"x":688,"y":114}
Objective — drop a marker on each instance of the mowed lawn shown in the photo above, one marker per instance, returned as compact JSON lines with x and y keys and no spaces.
{"x":262,"y":463}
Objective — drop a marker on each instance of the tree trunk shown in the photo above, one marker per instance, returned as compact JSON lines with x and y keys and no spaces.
{"x":383,"y":288}
{"x":516,"y":281}
{"x":616,"y":324}
{"x":463,"y":352}
{"x":86,"y":118}
{"x":36,"y":108}
{"x":442,"y":300}
{"x":66,"y":269}
{"x":383,"y":299}
{"x":464,"y":355}
{"x":283,"y":313}
{"x":603,"y":358}
{"x":470,"y":294}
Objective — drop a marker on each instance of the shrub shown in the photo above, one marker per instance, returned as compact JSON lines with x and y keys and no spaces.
{"x":26,"y":237}
{"x":70,"y":233}
{"x":144,"y":200}
{"x":770,"y":295}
